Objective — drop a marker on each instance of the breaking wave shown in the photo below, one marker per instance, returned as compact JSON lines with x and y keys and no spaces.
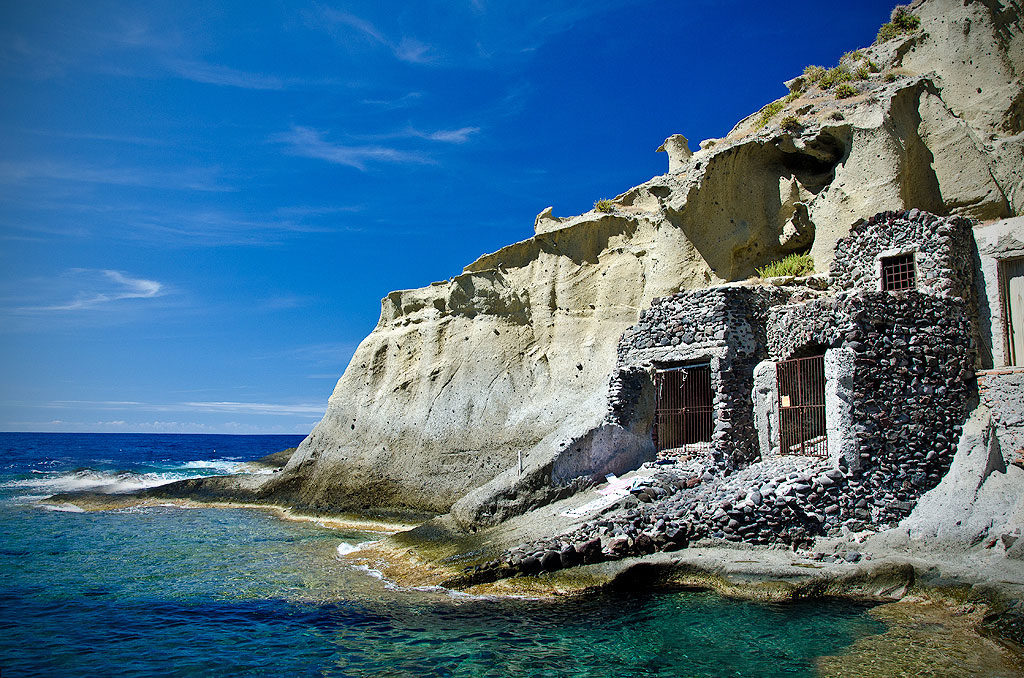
{"x":41,"y":484}
{"x":345,"y":548}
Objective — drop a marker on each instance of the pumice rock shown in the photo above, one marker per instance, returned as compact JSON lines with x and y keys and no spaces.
{"x":490,"y":392}
{"x":678,"y":150}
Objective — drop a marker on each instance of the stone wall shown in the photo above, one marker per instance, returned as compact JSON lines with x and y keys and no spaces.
{"x":910,"y":385}
{"x":721,"y":325}
{"x":942,"y":248}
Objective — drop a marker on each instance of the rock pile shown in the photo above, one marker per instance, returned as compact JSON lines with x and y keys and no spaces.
{"x":786,"y":500}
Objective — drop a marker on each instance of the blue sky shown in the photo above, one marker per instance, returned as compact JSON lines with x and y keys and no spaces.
{"x":202,"y":203}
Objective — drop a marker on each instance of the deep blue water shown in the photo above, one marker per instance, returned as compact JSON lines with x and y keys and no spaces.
{"x":217,"y":592}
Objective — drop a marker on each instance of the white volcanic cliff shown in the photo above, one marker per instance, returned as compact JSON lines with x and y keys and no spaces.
{"x":513,"y":356}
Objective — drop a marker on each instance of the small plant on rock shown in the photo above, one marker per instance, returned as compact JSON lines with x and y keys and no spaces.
{"x":792,"y":264}
{"x":901,"y":22}
{"x":854,"y":56}
{"x":813,"y":74}
{"x":835,"y":76}
{"x":604,"y":205}
{"x":845,"y":91}
{"x":790,"y":123}
{"x":769,"y":112}
{"x":791,"y":97}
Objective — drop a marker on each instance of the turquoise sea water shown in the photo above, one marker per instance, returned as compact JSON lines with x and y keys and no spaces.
{"x":216,"y":592}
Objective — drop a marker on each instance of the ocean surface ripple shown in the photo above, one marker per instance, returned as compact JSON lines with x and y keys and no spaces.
{"x":175,"y":592}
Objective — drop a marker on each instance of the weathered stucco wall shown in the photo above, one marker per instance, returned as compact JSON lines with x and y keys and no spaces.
{"x":996,"y":242}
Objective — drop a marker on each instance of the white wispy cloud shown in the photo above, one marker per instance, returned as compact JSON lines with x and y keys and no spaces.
{"x":412,"y":51}
{"x":257,"y":408}
{"x":174,"y":223}
{"x":340,"y":18}
{"x":402,"y":101}
{"x":309,"y":143}
{"x":450,"y":136}
{"x":223,"y":406}
{"x":104,"y":286}
{"x":300,"y":427}
{"x":196,"y":179}
{"x":406,"y":48}
{"x":214,"y":74}
{"x":453,"y":136}
{"x":473,"y":34}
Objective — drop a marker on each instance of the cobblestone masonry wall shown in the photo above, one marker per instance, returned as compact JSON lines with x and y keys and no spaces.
{"x":943,"y":252}
{"x":723,"y":325}
{"x":910,"y":388}
{"x":911,"y":383}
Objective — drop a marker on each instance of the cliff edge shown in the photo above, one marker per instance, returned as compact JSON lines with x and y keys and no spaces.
{"x":474,"y":387}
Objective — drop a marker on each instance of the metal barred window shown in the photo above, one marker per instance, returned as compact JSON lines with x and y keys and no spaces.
{"x":801,"y":385}
{"x":898,"y":273}
{"x":684,"y":409}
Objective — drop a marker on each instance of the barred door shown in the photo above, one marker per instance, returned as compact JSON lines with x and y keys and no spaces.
{"x":801,"y":385}
{"x":683,"y":416}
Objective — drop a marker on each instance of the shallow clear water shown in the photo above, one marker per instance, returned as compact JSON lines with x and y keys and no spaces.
{"x":185,"y":592}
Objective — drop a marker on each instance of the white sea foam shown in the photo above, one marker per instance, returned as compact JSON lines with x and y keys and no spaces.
{"x":376,"y":574}
{"x":64,"y":508}
{"x":344,"y":548}
{"x":46,"y":483}
{"x":225,"y":465}
{"x":451,"y":593}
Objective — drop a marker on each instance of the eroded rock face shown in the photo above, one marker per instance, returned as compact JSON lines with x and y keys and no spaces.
{"x":513,"y":357}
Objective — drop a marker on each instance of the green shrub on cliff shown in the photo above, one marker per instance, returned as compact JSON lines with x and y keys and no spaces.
{"x":769,"y":112}
{"x":604,"y":205}
{"x":834,"y":76}
{"x":845,"y":91}
{"x":812,"y":75}
{"x":901,"y":22}
{"x":792,"y":264}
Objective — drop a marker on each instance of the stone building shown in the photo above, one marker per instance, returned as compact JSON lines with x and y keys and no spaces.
{"x":871,"y":369}
{"x":797,"y":407}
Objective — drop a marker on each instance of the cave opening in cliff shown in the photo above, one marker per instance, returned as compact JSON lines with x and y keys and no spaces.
{"x":683,"y":419}
{"x":801,"y":388}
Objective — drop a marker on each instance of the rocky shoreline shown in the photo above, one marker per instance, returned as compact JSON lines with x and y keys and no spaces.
{"x":637,"y":543}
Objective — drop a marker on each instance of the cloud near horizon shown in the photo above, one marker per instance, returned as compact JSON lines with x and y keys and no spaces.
{"x":224,"y":406}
